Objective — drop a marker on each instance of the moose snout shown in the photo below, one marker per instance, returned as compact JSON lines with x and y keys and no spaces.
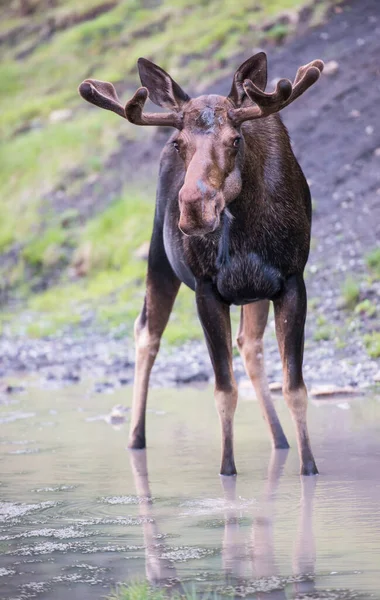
{"x":199,"y":213}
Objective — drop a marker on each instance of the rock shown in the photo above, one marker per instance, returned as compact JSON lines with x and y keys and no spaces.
{"x":63,"y":114}
{"x":28,"y":126}
{"x":355,"y":113}
{"x":103,"y":386}
{"x":376,"y":377}
{"x":10,"y":389}
{"x":81,"y":263}
{"x":331,"y":68}
{"x":191,"y":376}
{"x":332,"y":391}
{"x":275,"y":387}
{"x":117,"y":415}
{"x":377,"y":152}
{"x":142,"y":252}
{"x":70,"y":376}
{"x":369,"y":129}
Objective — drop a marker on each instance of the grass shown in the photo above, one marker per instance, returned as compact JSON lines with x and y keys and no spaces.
{"x":324,"y":331}
{"x":350,"y":292}
{"x":278,"y":32}
{"x":373,"y":261}
{"x":366,"y":308}
{"x":46,"y":250}
{"x":111,"y":286}
{"x":31,"y":166}
{"x":143,"y":591}
{"x":372,"y":344}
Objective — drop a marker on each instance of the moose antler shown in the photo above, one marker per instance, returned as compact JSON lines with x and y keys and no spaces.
{"x":285,"y":93}
{"x":103,"y":94}
{"x":134,"y":112}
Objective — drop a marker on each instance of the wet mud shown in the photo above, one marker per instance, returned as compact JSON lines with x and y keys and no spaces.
{"x":79,"y":513}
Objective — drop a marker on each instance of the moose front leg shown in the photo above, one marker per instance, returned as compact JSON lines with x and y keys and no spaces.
{"x":290,"y":315}
{"x":215,"y":318}
{"x":161,"y":291}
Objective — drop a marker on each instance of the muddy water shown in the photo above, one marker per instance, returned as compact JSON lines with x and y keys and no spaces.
{"x":79,"y":513}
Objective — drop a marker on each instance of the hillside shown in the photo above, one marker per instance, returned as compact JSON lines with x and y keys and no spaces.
{"x":76,"y":211}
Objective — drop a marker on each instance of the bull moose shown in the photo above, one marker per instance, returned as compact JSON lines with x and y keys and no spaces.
{"x":232,"y":222}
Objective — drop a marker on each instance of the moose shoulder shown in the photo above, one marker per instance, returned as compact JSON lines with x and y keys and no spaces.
{"x":232,"y":222}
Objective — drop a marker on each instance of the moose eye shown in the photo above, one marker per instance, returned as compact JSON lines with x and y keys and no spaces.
{"x":236,"y":142}
{"x":175,"y":146}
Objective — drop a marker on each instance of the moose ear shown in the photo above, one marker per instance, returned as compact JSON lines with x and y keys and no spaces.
{"x":163,"y":90}
{"x":255,"y":69}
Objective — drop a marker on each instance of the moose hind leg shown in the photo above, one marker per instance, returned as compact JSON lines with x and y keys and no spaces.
{"x":215,"y":318}
{"x":253,"y":320}
{"x":290,"y":315}
{"x":162,"y":289}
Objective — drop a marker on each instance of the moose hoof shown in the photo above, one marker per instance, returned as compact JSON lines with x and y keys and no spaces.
{"x":137,"y":444}
{"x":282,"y":445}
{"x":309,"y":468}
{"x":228,"y":470}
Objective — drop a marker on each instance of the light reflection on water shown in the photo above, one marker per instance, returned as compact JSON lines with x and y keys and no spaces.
{"x":79,"y":513}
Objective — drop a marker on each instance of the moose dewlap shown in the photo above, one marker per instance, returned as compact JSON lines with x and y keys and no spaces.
{"x":232,"y":222}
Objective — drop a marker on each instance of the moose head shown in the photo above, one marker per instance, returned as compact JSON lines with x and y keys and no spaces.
{"x":210,"y":138}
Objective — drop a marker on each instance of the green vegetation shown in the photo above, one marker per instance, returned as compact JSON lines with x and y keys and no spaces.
{"x":324,"y":333}
{"x":350,"y":292}
{"x":140,"y":591}
{"x":372,"y":343}
{"x":373,"y":261}
{"x":324,"y":330}
{"x":366,"y":308}
{"x":106,"y":277}
{"x":143,"y":591}
{"x":47,"y":249}
{"x":278,"y":32}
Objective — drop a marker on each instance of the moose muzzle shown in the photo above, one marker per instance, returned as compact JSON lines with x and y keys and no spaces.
{"x":200,"y":207}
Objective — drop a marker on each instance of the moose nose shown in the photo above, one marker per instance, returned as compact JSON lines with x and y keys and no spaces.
{"x":199,"y":209}
{"x":189,"y":228}
{"x":198,"y":218}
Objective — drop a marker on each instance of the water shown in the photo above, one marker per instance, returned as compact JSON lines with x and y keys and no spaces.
{"x":79,"y":513}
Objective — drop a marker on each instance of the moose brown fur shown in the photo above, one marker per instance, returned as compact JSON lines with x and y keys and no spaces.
{"x":232,"y":222}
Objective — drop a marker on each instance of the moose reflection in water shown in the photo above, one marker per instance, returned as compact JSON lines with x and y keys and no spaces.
{"x":255,"y":550}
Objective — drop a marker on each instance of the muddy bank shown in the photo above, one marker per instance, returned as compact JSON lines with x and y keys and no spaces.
{"x":110,"y":362}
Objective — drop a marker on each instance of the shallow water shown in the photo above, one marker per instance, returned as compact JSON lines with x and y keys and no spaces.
{"x":80,"y":513}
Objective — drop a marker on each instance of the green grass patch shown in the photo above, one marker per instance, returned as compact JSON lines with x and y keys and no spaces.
{"x":324,"y":333}
{"x":366,"y":308}
{"x":278,"y":32}
{"x":373,"y":261}
{"x":46,"y":249}
{"x":324,"y":330}
{"x":31,"y":165}
{"x":350,"y":292}
{"x":143,"y":591}
{"x":112,"y":285}
{"x":372,"y":344}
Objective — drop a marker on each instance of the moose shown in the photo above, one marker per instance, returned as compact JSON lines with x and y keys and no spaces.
{"x":232,"y":222}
